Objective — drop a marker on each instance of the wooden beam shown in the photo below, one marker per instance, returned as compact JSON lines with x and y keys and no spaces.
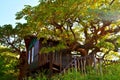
{"x":51,"y":63}
{"x":60,"y":61}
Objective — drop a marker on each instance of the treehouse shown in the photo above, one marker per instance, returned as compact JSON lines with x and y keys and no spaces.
{"x":57,"y":61}
{"x":53,"y":61}
{"x":36,"y":59}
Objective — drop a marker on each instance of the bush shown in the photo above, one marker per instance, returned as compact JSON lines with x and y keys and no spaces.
{"x":8,"y":62}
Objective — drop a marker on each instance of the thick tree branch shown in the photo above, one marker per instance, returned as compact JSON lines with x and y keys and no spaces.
{"x":16,"y":49}
{"x":73,"y":33}
{"x":111,"y":2}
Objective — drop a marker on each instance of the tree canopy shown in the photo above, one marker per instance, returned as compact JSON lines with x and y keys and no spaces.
{"x":11,"y":37}
{"x":82,"y":25}
{"x":88,"y":27}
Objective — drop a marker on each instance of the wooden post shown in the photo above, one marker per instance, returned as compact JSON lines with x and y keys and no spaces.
{"x":95,"y":67}
{"x":78,"y":62}
{"x":84,"y":68}
{"x":51,"y":63}
{"x":75,"y":59}
{"x":60,"y":61}
{"x":81,"y":63}
{"x":101,"y":67}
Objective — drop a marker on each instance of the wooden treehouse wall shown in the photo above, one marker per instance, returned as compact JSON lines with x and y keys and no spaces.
{"x":35,"y":59}
{"x":40,"y":59}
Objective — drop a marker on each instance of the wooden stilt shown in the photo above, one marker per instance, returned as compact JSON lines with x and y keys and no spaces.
{"x":60,"y":62}
{"x":51,"y":64}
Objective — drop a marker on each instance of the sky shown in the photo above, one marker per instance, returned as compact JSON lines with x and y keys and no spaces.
{"x":8,"y":9}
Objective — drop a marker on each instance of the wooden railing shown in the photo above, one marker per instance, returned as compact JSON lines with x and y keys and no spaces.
{"x":70,"y":65}
{"x":88,"y":63}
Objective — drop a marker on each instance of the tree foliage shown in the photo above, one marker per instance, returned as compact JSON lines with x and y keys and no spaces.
{"x":90,"y":22}
{"x":11,"y":38}
{"x":8,"y":63}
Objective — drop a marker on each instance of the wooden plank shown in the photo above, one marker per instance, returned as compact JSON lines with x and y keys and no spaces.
{"x":60,"y":61}
{"x":51,"y":64}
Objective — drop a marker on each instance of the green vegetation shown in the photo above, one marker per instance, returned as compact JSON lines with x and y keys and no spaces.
{"x":8,"y":64}
{"x":84,"y":26}
{"x":94,"y":23}
{"x":111,"y":72}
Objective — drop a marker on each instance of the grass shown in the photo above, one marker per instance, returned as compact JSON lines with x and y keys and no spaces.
{"x":111,"y":72}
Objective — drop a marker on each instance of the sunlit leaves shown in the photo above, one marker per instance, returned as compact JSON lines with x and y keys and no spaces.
{"x":90,"y":22}
{"x":52,"y":49}
{"x":118,"y":41}
{"x":112,"y":55}
{"x":8,"y":62}
{"x":102,"y":43}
